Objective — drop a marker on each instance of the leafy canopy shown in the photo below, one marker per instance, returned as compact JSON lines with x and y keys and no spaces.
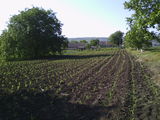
{"x":135,"y":39}
{"x":33,"y":33}
{"x":116,"y":38}
{"x":94,"y":42}
{"x":83,"y":41}
{"x":146,"y":13}
{"x":146,"y":16}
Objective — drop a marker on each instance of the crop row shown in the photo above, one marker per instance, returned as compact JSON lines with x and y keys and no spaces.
{"x":143,"y":98}
{"x":44,"y":74}
{"x":113,"y":83}
{"x":22,"y":83}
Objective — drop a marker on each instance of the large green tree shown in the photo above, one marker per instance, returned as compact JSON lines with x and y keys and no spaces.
{"x":116,"y":38}
{"x":144,"y":22}
{"x":134,"y":38}
{"x":33,"y":33}
{"x":146,"y":13}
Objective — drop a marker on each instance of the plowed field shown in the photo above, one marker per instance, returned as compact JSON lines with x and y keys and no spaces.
{"x":109,"y":85}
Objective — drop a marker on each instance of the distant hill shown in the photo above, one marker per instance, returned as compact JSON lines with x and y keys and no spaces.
{"x":89,"y":38}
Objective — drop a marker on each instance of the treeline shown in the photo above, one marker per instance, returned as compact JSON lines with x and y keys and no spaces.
{"x":36,"y":33}
{"x":88,"y":44}
{"x":115,"y":39}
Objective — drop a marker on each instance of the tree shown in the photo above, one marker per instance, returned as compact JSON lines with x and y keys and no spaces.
{"x":94,"y":42}
{"x":83,"y":41}
{"x":6,"y":41}
{"x":135,"y":39}
{"x":145,"y":17}
{"x":116,"y":38}
{"x":33,"y":33}
{"x":74,"y":41}
{"x":146,"y":13}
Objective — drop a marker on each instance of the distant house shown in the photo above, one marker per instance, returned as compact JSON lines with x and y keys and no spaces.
{"x":74,"y":46}
{"x":82,"y":47}
{"x":155,"y":43}
{"x":105,"y":44}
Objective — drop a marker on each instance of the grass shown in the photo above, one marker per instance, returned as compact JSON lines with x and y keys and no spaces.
{"x":87,"y":52}
{"x":151,"y":58}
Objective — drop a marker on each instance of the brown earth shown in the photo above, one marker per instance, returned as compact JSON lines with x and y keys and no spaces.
{"x":114,"y":88}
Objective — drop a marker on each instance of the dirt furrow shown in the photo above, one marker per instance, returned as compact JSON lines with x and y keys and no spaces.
{"x":93,"y":82}
{"x":105,"y":81}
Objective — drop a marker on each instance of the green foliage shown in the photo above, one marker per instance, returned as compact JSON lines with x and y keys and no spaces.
{"x":116,"y":38}
{"x":94,"y":42}
{"x":151,"y":59}
{"x":137,"y":38}
{"x":83,"y":41}
{"x":146,"y":15}
{"x":146,"y":12}
{"x":5,"y":44}
{"x":33,"y":33}
{"x":74,"y":41}
{"x":88,"y":46}
{"x":34,"y":90}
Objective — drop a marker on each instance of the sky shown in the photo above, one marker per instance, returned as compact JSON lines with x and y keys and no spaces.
{"x":80,"y":18}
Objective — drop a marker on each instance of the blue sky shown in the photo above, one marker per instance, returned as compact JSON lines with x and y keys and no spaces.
{"x":81,"y":18}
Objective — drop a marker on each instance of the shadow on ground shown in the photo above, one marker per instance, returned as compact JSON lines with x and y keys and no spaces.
{"x":61,"y":57}
{"x":27,"y":105}
{"x":78,"y":56}
{"x":156,"y":49}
